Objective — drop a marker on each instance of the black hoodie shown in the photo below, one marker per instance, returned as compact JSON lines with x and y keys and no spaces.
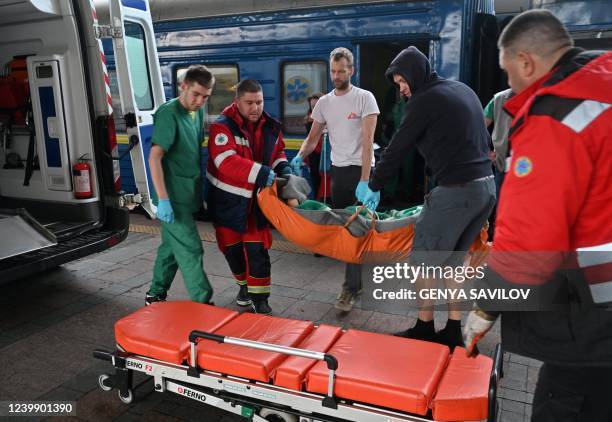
{"x":443,"y":118}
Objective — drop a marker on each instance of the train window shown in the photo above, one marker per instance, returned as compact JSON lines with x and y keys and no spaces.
{"x":226,"y":78}
{"x":300,"y":80}
{"x":139,"y":67}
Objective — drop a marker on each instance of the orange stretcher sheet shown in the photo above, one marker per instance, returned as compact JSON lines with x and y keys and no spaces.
{"x":376,"y":369}
{"x":337,"y":242}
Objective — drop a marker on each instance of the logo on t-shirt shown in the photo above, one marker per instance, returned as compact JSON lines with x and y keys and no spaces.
{"x":221,"y":139}
{"x":352,"y":116}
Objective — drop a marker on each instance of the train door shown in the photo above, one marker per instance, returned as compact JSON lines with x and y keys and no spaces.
{"x":140,"y":84}
{"x":409,"y":184}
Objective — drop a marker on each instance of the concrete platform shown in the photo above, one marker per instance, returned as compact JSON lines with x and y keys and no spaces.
{"x":50,"y":324}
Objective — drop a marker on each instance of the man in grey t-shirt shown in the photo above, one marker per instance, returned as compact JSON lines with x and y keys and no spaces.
{"x":350,"y":115}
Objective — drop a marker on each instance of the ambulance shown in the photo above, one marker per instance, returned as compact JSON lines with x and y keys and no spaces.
{"x":60,"y":189}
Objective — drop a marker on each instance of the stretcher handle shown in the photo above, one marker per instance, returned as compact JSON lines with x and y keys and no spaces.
{"x":497,"y":372}
{"x":357,"y":212}
{"x":332,"y":362}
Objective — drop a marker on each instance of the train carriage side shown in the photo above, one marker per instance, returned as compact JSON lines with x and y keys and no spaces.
{"x":288,"y":51}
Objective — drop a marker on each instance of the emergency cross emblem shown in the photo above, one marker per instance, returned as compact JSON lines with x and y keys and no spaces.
{"x":522,"y":166}
{"x":221,"y":139}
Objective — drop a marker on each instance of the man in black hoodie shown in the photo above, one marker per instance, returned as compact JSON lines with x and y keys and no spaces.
{"x":443,"y":119}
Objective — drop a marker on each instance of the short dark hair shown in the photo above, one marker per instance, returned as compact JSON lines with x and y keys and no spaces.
{"x":248,"y":85}
{"x":537,"y":31}
{"x":200,"y":74}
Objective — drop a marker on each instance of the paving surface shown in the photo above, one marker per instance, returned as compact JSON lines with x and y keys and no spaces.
{"x":51,"y":323}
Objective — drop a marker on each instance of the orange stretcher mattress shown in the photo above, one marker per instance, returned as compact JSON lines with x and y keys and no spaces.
{"x":376,"y":369}
{"x":292,"y":372}
{"x":336,"y":241}
{"x":161,"y":330}
{"x":247,"y":362}
{"x":383,"y":370}
{"x":463,"y":391}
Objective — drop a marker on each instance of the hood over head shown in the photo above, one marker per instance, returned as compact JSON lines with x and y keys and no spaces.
{"x":413,"y":66}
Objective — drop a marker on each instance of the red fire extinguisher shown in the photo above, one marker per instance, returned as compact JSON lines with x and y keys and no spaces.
{"x":81,"y":172}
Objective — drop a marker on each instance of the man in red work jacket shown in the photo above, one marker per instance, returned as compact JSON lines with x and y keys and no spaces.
{"x":554,"y":229}
{"x":246,"y":151}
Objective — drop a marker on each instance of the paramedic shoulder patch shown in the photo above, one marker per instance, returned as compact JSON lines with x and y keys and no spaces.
{"x":221,"y":139}
{"x":522,"y":166}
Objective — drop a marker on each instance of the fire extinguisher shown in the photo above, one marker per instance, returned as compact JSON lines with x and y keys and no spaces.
{"x":81,"y":172}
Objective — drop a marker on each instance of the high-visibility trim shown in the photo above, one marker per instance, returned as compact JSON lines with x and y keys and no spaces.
{"x":601,"y":292}
{"x":254,"y":172}
{"x":221,"y":157}
{"x":280,"y":160}
{"x":580,"y":117}
{"x":594,"y":255}
{"x":241,"y":141}
{"x":259,"y":289}
{"x":228,"y":188}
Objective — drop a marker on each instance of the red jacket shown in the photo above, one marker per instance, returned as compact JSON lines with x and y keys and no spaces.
{"x":557,"y":195}
{"x":240,"y":158}
{"x":554,"y":221}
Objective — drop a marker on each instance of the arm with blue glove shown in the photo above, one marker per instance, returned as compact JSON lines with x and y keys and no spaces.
{"x":309,"y":144}
{"x":271,"y":178}
{"x":367,"y":196}
{"x":164,"y":212}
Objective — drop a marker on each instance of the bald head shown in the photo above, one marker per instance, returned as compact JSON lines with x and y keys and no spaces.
{"x":537,"y":32}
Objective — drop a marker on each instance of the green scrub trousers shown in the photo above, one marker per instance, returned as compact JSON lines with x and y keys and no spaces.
{"x":179,"y":133}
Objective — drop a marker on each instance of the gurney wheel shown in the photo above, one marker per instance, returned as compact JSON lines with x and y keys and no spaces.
{"x":101,"y":380}
{"x":129,"y":398}
{"x":274,"y":415}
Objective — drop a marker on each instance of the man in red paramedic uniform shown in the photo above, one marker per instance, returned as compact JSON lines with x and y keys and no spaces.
{"x":555,"y":219}
{"x":246,"y":151}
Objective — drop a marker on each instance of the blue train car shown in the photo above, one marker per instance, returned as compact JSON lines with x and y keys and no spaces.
{"x":287,"y":49}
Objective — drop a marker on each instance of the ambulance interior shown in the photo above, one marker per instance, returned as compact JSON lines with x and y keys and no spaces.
{"x":46,"y":126}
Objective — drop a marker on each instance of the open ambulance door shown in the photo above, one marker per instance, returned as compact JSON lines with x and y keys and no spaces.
{"x":140,"y":84}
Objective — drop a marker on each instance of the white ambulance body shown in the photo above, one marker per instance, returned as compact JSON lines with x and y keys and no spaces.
{"x":59,"y":170}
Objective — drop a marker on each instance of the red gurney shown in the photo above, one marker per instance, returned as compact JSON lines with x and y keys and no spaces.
{"x":258,"y":366}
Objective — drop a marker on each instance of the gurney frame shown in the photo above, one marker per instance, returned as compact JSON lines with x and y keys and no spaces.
{"x":251,"y":399}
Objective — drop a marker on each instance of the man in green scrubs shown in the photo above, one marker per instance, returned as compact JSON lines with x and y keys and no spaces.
{"x":174,"y":162}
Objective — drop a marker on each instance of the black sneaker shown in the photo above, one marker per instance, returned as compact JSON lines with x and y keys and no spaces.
{"x":243,"y":298}
{"x":261,"y":307}
{"x":150,"y":299}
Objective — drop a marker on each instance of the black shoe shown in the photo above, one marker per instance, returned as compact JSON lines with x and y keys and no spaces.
{"x":150,"y":299}
{"x":243,"y":298}
{"x":318,"y":255}
{"x":451,"y":337}
{"x":261,"y":307}
{"x":421,"y":331}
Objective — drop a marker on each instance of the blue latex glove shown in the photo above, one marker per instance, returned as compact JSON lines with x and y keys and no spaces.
{"x":164,"y":211}
{"x":271,"y":177}
{"x":371,"y":199}
{"x":296,"y":165}
{"x":361,"y":190}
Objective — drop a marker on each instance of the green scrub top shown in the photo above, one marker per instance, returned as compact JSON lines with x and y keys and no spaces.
{"x":180,"y":134}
